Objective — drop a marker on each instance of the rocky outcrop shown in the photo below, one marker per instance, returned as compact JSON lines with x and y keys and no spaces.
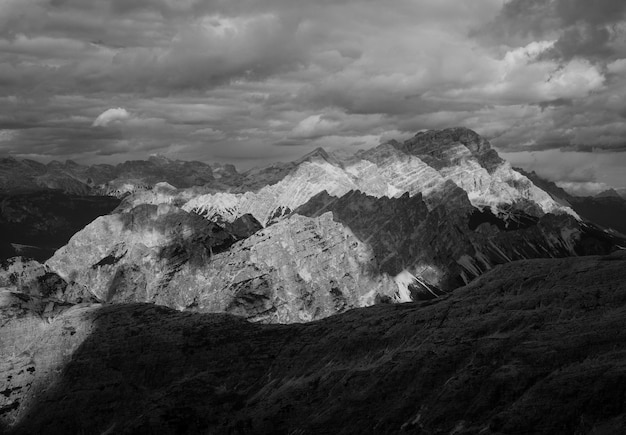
{"x":330,"y":255}
{"x":300,"y":269}
{"x":400,"y":222}
{"x":134,"y":256}
{"x":31,"y":278}
{"x":443,"y":148}
{"x":453,"y":243}
{"x":312,"y":176}
{"x":425,"y":164}
{"x":467,"y":159}
{"x":530,"y":347}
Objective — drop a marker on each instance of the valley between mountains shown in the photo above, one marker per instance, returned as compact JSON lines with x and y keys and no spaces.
{"x":421,"y":287}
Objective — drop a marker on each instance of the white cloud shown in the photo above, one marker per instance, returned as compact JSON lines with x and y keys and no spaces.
{"x":111,"y":115}
{"x":314,"y":126}
{"x":617,"y":67}
{"x":583,"y":188}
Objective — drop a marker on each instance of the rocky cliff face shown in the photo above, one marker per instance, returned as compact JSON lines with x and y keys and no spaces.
{"x":424,"y":164}
{"x":453,"y":243}
{"x":462,"y":156}
{"x":300,"y":269}
{"x":398,"y":223}
{"x":531,"y":347}
{"x":133,"y":256}
{"x":330,"y":255}
{"x":30,"y":278}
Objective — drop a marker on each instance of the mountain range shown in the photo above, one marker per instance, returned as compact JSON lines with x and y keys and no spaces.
{"x":439,"y":223}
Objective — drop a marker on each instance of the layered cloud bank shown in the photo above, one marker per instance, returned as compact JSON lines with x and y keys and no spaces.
{"x":255,"y":81}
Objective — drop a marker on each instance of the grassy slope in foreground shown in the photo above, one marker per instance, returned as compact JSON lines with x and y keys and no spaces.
{"x":534,"y":346}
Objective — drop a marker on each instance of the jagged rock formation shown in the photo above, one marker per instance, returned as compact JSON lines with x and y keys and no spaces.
{"x":425,"y":164}
{"x":134,"y":256}
{"x":608,"y":193}
{"x":461,"y":155}
{"x":31,"y":278}
{"x":530,"y":347}
{"x":347,"y":252}
{"x":453,"y":243}
{"x":407,"y":222}
{"x":297,"y":270}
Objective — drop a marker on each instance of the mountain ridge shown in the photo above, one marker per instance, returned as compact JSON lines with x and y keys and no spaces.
{"x":329,"y":234}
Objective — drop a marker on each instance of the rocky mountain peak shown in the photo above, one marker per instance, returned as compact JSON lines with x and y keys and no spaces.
{"x":54,"y":164}
{"x":71,"y":164}
{"x":318,"y":154}
{"x":442,"y":148}
{"x":609,"y":193}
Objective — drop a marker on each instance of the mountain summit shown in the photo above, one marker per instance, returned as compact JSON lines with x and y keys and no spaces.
{"x":323,"y":234}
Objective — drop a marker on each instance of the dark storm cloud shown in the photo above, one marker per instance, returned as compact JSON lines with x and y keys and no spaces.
{"x":582,"y":28}
{"x":596,"y":12}
{"x":556,"y":103}
{"x":582,"y":40}
{"x":254,"y":81}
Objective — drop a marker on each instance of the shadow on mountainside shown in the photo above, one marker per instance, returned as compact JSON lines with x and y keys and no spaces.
{"x":455,"y":238}
{"x":536,"y":346}
{"x":36,"y":224}
{"x":149,"y":243}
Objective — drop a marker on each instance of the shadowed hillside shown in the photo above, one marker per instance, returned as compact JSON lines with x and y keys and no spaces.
{"x":38,"y":223}
{"x":535,"y":346}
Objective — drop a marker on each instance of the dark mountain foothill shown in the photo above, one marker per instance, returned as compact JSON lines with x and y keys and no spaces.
{"x":607,"y":209}
{"x":38,"y":223}
{"x":533,"y":346}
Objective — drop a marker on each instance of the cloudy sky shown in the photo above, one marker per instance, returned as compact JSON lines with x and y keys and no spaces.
{"x":253,"y":81}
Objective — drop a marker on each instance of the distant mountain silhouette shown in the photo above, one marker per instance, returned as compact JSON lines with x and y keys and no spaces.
{"x":607,"y":209}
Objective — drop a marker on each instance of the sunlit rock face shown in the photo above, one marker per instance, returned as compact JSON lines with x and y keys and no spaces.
{"x":423,"y":164}
{"x":132,"y":256}
{"x":317,"y":174}
{"x":321,"y":235}
{"x":300,"y":269}
{"x":330,"y":255}
{"x":467,"y":159}
{"x":448,"y":245}
{"x":297,"y":270}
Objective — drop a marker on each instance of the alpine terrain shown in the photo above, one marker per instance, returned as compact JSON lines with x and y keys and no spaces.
{"x":421,"y":287}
